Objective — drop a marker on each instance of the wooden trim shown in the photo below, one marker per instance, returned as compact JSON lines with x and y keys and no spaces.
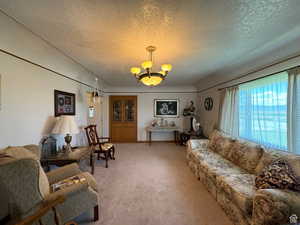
{"x":167,"y":141}
{"x":151,"y":92}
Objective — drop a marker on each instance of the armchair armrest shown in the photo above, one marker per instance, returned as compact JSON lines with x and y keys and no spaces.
{"x":275,"y":206}
{"x":68,"y":191}
{"x":37,"y":212}
{"x":63,"y":173}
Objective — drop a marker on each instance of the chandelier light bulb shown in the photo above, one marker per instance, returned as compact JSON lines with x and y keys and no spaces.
{"x":147,"y":64}
{"x":135,"y":70}
{"x":166,"y":67}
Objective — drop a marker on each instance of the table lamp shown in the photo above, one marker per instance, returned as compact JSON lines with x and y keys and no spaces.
{"x":66,"y":125}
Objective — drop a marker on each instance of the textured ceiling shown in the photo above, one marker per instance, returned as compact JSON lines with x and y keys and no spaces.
{"x":198,"y":37}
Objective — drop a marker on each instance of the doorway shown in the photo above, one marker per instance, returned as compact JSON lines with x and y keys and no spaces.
{"x":123,"y":118}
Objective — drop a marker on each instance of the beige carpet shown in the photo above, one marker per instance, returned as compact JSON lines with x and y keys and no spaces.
{"x":152,"y":185}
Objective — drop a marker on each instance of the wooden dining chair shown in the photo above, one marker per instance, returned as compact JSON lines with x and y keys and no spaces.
{"x":101,"y":145}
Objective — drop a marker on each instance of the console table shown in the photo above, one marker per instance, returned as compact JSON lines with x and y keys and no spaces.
{"x":158,"y":129}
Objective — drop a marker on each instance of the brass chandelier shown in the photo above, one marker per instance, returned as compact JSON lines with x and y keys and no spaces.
{"x":148,"y":77}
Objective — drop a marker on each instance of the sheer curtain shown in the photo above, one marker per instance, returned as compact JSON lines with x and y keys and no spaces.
{"x":229,"y":112}
{"x":263,"y":111}
{"x":294,"y":111}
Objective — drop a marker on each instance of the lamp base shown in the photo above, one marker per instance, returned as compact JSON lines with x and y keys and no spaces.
{"x":68,"y":147}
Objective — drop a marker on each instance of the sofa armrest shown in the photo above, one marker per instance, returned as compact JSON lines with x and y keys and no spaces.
{"x":62,"y":173}
{"x":275,"y":206}
{"x":68,"y":191}
{"x":194,"y":144}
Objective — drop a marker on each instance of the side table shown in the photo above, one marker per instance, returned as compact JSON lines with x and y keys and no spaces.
{"x":185,"y":136}
{"x":78,"y":155}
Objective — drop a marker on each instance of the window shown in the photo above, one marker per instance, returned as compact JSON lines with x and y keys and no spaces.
{"x":263,"y":111}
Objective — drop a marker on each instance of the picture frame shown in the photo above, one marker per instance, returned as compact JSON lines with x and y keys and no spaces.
{"x":64,"y":103}
{"x":166,"y":108}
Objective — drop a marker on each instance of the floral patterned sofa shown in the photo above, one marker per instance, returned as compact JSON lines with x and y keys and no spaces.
{"x":228,"y":168}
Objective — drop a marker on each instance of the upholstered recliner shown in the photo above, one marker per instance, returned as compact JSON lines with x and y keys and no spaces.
{"x":25,"y":186}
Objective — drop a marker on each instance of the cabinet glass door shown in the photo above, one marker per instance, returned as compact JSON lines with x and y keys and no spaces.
{"x":129,"y":106}
{"x":117,"y":111}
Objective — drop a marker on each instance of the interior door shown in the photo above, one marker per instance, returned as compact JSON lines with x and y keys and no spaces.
{"x":123,"y":118}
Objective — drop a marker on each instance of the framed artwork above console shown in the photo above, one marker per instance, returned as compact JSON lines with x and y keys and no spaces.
{"x":166,"y":107}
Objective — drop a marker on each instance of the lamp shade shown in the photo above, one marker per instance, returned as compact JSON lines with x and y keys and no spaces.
{"x":65,"y":125}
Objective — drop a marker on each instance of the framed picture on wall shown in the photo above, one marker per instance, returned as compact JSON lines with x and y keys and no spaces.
{"x":166,"y":107}
{"x":64,"y":103}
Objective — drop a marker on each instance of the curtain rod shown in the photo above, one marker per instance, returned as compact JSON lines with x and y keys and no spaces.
{"x":251,"y":72}
{"x":46,"y":68}
{"x":150,"y":92}
{"x":271,"y":74}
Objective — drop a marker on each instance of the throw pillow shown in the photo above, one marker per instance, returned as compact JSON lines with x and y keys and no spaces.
{"x":278,"y":175}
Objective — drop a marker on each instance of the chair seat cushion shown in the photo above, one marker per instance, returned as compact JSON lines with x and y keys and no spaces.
{"x":106,"y":146}
{"x":240,"y":189}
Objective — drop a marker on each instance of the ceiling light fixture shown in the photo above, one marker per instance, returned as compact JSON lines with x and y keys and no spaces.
{"x":94,"y":94}
{"x":148,"y":77}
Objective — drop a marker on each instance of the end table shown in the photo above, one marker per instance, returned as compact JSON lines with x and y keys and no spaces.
{"x":78,"y":155}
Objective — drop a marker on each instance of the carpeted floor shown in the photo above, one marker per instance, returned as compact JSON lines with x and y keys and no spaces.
{"x":152,"y":185}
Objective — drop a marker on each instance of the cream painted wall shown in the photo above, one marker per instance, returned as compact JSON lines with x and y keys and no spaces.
{"x":27,"y":93}
{"x":145,"y":108}
{"x":28,"y":103}
{"x":209,"y":119}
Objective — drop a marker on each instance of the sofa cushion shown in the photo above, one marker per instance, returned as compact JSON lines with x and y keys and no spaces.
{"x":214,"y":165}
{"x":270,"y":155}
{"x":294,"y":161}
{"x":220,"y":143}
{"x":240,"y":189}
{"x":212,"y":139}
{"x":278,"y":175}
{"x":245,"y":155}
